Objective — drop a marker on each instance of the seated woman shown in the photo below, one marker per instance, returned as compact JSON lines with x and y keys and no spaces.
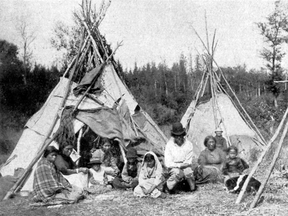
{"x":49,"y":184}
{"x":130,"y":172}
{"x":150,"y":177}
{"x":65,"y":164}
{"x":210,"y":161}
{"x":76,"y":176}
{"x":109,"y":162}
{"x":234,"y":165}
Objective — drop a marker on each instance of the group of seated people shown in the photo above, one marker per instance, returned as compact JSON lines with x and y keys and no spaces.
{"x":148,"y":177}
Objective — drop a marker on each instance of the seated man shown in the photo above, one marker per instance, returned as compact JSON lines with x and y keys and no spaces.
{"x":178,"y":158}
{"x":130,"y":172}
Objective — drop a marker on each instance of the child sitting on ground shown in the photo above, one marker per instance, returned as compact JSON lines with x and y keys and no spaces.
{"x":96,"y":172}
{"x":233,"y":166}
{"x":150,"y":177}
{"x":109,"y":162}
{"x":130,"y":172}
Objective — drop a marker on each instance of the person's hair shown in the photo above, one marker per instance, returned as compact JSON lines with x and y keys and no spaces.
{"x":49,"y":150}
{"x":232,"y":147}
{"x":105,"y":140}
{"x":207,"y":139}
{"x":149,"y":157}
{"x":182,"y":135}
{"x":63,"y":147}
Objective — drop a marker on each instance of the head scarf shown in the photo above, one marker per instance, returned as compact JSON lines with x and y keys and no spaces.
{"x":146,"y":173}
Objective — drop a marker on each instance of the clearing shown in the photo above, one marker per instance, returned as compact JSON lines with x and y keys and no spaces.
{"x":209,"y":199}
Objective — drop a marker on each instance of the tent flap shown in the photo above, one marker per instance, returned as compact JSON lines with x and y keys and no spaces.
{"x":103,"y":121}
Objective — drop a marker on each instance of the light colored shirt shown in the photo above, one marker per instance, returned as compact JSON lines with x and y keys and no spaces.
{"x":98,"y":176}
{"x":176,"y":155}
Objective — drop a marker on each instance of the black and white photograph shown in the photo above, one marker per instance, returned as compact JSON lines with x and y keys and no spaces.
{"x":143,"y":107}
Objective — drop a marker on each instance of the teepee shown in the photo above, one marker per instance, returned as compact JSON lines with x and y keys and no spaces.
{"x":99,"y":99}
{"x":213,"y":107}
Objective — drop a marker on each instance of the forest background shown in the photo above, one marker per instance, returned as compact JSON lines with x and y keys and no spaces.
{"x":164,"y":92}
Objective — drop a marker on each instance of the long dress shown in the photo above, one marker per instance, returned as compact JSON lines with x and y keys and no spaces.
{"x":149,"y":177}
{"x":211,"y":162}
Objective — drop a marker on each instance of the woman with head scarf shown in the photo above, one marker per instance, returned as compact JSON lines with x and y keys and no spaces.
{"x":150,"y":177}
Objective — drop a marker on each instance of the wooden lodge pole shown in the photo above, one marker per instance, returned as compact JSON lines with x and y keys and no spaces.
{"x":241,"y":194}
{"x":276,"y":155}
{"x":18,"y":184}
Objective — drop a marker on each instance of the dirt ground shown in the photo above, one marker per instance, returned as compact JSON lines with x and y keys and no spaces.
{"x":209,"y":199}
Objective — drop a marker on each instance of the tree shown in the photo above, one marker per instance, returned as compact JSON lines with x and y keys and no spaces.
{"x":27,"y":36}
{"x":10,"y":65}
{"x":274,"y":31}
{"x":67,"y":39}
{"x":8,"y":53}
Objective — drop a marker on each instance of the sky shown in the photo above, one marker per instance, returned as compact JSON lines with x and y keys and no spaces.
{"x":151,"y":30}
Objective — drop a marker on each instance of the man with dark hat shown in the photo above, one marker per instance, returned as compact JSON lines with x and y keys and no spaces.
{"x":178,"y":158}
{"x":130,"y":172}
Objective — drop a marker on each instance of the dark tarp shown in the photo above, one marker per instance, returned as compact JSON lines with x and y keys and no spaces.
{"x":130,"y":133}
{"x":140,"y":119}
{"x":103,"y":121}
{"x":87,"y":81}
{"x":111,"y":124}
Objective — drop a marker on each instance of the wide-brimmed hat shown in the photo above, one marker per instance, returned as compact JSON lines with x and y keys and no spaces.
{"x":218,"y":129}
{"x":178,"y":130}
{"x":96,"y":158}
{"x":95,"y":161}
{"x":131,"y":153}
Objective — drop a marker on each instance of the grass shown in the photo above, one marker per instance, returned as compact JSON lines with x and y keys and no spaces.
{"x":209,"y":199}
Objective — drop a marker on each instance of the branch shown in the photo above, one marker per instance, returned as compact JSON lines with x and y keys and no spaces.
{"x":282,"y":81}
{"x":118,"y":45}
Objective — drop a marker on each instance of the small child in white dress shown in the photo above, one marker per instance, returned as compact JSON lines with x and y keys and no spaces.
{"x":97,"y":173}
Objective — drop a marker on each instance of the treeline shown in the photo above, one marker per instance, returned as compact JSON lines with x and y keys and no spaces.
{"x":166,"y":92}
{"x":23,"y":89}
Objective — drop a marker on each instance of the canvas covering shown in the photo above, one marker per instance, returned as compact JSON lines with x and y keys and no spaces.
{"x":235,"y":129}
{"x":38,"y":125}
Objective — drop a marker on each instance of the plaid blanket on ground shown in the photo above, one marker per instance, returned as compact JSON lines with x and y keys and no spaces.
{"x":47,"y":181}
